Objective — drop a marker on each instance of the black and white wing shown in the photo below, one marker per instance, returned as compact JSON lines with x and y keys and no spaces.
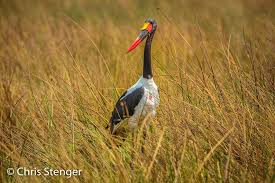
{"x":125,"y":106}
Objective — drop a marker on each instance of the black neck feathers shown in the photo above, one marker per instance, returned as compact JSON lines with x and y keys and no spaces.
{"x":147,"y":67}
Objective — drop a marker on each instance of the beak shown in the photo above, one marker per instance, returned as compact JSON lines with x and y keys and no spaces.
{"x":139,"y":39}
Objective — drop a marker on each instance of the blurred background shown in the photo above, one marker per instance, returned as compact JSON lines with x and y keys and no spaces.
{"x":63,"y":65}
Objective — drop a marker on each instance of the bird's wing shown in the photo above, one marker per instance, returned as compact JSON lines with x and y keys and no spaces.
{"x":125,"y":106}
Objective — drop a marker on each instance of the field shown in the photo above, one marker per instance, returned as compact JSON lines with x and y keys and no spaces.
{"x":63,"y":65}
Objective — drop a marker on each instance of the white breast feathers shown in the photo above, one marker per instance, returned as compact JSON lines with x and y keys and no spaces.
{"x":148,"y":103}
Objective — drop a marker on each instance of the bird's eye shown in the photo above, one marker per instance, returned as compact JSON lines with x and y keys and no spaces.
{"x":150,"y":28}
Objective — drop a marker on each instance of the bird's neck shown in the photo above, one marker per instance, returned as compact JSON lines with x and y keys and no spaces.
{"x":147,"y":67}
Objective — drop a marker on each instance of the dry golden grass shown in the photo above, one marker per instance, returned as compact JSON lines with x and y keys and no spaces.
{"x":64,"y":64}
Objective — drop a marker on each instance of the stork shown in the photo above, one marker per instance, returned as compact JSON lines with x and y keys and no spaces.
{"x":141,"y":99}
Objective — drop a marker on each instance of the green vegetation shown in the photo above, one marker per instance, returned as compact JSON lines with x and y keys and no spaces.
{"x":63,"y":65}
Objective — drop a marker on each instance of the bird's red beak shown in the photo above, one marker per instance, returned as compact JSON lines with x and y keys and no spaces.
{"x":134,"y":44}
{"x":145,"y":30}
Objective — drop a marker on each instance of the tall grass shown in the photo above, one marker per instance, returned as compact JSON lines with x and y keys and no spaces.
{"x":64,"y":64}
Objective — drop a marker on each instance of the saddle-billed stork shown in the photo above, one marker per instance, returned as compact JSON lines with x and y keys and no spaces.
{"x":142,"y":98}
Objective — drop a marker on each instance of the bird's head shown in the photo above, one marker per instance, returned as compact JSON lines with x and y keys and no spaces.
{"x":147,"y":29}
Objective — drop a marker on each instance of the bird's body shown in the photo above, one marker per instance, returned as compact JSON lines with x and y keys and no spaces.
{"x":142,"y":98}
{"x":148,"y":103}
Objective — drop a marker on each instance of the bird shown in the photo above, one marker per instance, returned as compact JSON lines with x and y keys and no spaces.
{"x":141,"y":99}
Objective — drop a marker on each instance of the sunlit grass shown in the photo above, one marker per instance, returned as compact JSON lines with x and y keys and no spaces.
{"x":64,"y":65}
